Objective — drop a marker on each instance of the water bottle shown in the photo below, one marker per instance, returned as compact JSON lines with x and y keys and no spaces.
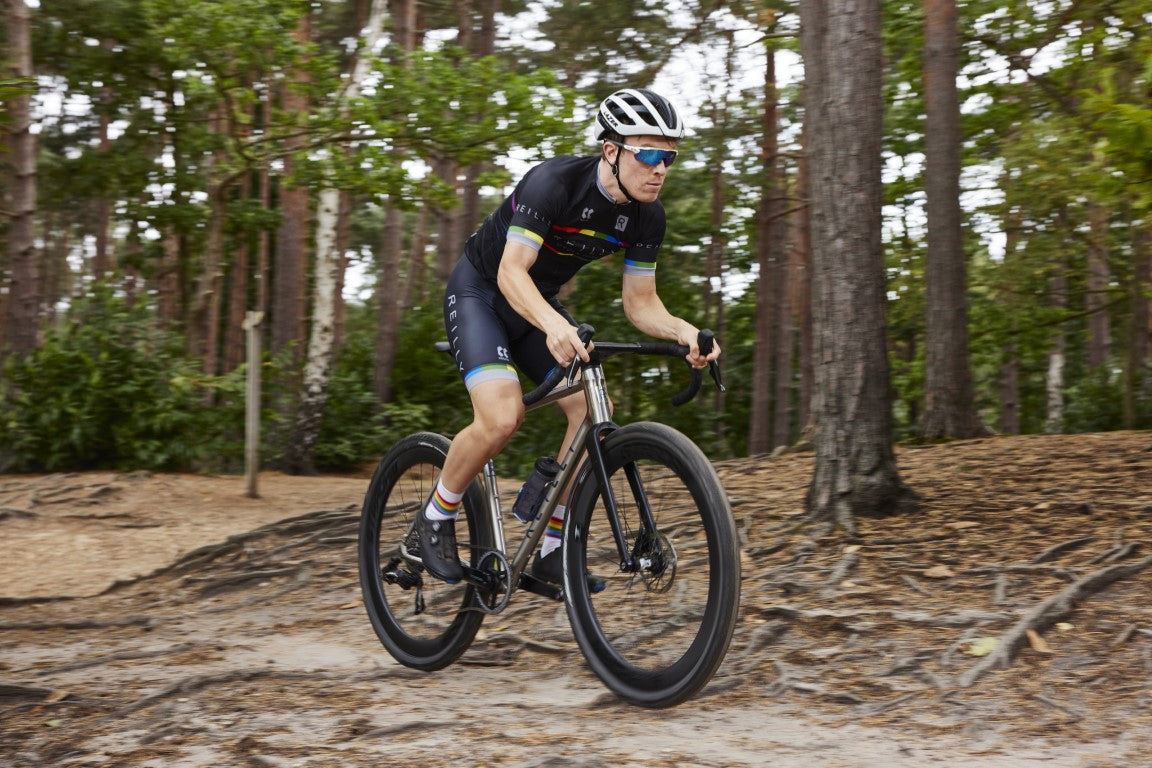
{"x":531,"y":495}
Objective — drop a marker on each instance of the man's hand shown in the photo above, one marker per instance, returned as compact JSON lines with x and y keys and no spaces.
{"x":689,"y":337}
{"x":564,"y":342}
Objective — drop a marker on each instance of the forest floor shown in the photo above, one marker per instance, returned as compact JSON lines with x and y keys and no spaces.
{"x":169,"y":620}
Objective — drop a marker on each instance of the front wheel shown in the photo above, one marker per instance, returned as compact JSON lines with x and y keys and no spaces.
{"x":659,"y":630}
{"x":423,"y":622}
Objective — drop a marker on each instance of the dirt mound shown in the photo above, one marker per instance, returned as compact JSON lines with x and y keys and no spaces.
{"x":169,"y":621}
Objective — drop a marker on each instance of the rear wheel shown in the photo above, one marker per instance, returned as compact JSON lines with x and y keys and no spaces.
{"x":423,"y":622}
{"x":659,"y":631}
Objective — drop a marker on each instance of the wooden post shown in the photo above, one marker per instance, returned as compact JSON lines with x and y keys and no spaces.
{"x":252,"y":322}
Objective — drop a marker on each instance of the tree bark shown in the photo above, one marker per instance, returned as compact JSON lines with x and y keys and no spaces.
{"x":785,"y":336}
{"x":235,"y":335}
{"x":949,"y":403}
{"x":855,"y":472}
{"x":1137,"y":375}
{"x":760,"y":422}
{"x":1010,"y":355}
{"x":1057,"y":352}
{"x":802,"y":296}
{"x":1096,"y":302}
{"x":300,"y":457}
{"x":21,"y":328}
{"x":389,"y":297}
{"x":289,"y":297}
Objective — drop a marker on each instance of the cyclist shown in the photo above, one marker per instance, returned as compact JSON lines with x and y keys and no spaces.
{"x":501,"y":307}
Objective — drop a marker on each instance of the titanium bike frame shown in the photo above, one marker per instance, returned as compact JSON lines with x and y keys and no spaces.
{"x":586,"y":441}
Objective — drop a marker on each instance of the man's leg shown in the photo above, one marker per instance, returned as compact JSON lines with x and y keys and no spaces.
{"x":498,"y":411}
{"x":547,"y":565}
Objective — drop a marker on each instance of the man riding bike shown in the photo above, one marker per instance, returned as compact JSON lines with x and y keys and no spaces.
{"x":501,"y":308}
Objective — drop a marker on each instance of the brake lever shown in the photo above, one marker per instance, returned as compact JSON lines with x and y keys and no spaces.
{"x":705,"y":341}
{"x":714,"y":369}
{"x":585,"y":331}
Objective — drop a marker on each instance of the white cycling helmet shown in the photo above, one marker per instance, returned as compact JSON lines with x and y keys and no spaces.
{"x":639,"y":112}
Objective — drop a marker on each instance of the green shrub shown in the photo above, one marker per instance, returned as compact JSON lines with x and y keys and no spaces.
{"x":106,"y":389}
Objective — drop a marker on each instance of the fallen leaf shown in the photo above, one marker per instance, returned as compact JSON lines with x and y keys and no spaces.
{"x":852,"y":548}
{"x":981,"y":646}
{"x":960,"y":525}
{"x":1037,"y":642}
{"x":1064,"y":626}
{"x":56,"y":696}
{"x":938,"y":572}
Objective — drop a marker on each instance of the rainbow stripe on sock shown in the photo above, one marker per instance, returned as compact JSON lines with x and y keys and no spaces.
{"x":446,"y":508}
{"x":555,"y":527}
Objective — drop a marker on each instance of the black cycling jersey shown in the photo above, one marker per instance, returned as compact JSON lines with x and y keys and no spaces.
{"x":560,"y":209}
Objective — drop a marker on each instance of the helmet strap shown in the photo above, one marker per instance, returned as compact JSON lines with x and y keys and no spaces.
{"x":615,"y":166}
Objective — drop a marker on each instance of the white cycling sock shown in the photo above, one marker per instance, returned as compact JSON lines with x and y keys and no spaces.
{"x":444,"y":504}
{"x":555,"y":530}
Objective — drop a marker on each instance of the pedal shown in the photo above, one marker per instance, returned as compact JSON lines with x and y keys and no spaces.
{"x":530,"y":583}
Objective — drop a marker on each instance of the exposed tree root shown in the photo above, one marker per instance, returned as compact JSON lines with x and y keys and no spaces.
{"x":1048,"y":613}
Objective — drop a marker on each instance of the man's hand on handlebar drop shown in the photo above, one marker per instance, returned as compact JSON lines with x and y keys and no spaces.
{"x":691,"y":338}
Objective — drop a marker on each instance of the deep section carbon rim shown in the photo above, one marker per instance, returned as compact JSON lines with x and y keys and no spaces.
{"x":656,"y":635}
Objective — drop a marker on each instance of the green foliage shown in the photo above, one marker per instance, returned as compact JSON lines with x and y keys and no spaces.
{"x":107,"y":389}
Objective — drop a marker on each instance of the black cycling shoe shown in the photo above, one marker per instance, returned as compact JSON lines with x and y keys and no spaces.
{"x":549,"y":568}
{"x":438,"y":548}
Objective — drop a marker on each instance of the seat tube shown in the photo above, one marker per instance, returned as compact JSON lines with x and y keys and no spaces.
{"x":493,"y":504}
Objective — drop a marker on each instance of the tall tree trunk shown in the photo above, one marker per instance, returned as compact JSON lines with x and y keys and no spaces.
{"x":1057,"y":357}
{"x":300,"y":458}
{"x":949,"y":403}
{"x":101,"y":259}
{"x":204,"y":334}
{"x":760,"y":421}
{"x":290,"y":273}
{"x":289,"y":297}
{"x":167,"y":280}
{"x":22,"y":323}
{"x":239,"y":277}
{"x":327,"y":279}
{"x":1010,"y":354}
{"x":802,"y":297}
{"x":389,"y":294}
{"x":343,"y":238}
{"x":483,"y":44}
{"x":785,"y":335}
{"x":1138,"y":371}
{"x":1096,"y":301}
{"x":855,"y":472}
{"x":263,"y":244}
{"x":449,"y":241}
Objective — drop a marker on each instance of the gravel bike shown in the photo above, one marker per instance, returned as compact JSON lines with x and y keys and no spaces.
{"x":646,"y":513}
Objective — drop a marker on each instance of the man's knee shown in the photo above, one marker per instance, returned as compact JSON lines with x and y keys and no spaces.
{"x":499,"y":411}
{"x":501,"y":422}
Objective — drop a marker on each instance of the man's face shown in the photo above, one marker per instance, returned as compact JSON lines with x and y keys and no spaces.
{"x":642,"y":181}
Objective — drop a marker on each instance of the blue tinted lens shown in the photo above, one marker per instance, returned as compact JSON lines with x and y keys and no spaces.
{"x":656,"y":156}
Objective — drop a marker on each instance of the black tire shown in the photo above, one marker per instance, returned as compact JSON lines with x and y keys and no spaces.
{"x":433,"y":634}
{"x":657,"y":636}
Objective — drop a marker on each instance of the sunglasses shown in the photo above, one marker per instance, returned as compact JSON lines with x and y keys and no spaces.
{"x":650,"y":155}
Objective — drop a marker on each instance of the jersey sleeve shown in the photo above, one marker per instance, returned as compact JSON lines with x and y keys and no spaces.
{"x":640,"y":258}
{"x":536,"y":202}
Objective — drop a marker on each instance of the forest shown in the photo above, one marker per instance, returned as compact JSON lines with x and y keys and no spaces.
{"x":173,"y":171}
